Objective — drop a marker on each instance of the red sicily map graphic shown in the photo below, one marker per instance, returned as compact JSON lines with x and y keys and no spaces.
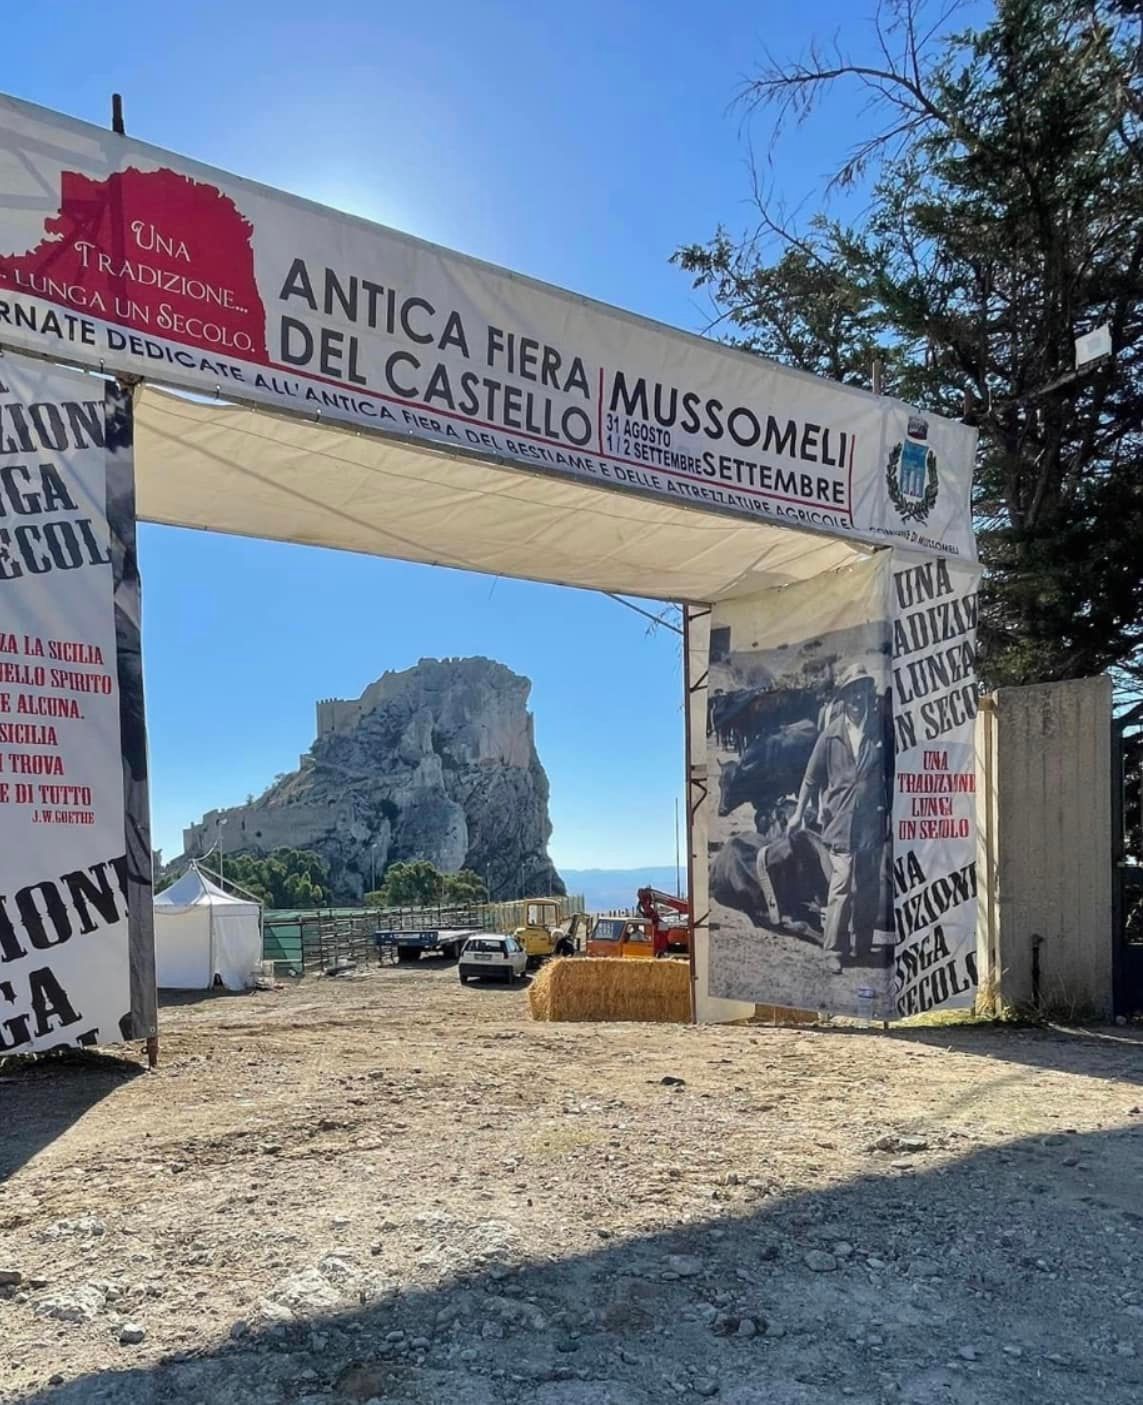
{"x":154,"y":252}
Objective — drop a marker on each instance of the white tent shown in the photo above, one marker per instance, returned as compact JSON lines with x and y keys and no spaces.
{"x":202,"y":932}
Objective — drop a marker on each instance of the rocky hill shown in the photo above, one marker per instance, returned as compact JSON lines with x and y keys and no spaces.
{"x":436,"y":762}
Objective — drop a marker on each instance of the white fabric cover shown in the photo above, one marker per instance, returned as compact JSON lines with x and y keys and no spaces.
{"x":202,"y":932}
{"x":261,"y":474}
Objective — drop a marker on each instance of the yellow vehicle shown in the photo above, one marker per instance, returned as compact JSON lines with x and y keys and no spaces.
{"x":538,"y":935}
{"x":575,"y":932}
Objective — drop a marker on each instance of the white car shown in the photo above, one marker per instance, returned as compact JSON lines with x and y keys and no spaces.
{"x":493,"y":956}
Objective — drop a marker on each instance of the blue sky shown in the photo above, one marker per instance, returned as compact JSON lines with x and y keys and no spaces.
{"x":576,"y":143}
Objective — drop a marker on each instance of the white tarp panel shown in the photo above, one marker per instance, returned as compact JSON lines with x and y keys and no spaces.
{"x":230,"y":469}
{"x":237,"y":943}
{"x":183,"y":949}
{"x":120,"y":256}
{"x":202,"y":932}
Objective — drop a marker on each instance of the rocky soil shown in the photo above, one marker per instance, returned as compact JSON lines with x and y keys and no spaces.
{"x":389,"y":1188}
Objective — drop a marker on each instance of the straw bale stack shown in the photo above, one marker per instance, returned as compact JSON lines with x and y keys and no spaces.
{"x":576,"y":988}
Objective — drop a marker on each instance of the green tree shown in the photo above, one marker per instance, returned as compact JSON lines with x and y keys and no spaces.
{"x":284,"y":878}
{"x":418,"y":883}
{"x":412,"y":883}
{"x":1004,"y":218}
{"x":465,"y":887}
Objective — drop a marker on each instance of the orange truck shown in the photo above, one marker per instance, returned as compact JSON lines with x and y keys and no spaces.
{"x":628,"y":937}
{"x":662,"y":928}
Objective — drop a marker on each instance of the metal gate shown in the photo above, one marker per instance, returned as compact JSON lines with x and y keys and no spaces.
{"x":1127,"y":856}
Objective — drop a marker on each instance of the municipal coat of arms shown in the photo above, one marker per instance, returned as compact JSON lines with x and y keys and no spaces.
{"x":911,"y":474}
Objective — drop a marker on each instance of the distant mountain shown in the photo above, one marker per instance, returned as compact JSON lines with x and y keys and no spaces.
{"x":605,"y":888}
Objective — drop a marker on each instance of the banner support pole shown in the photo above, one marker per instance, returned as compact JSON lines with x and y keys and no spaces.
{"x":687,"y":797}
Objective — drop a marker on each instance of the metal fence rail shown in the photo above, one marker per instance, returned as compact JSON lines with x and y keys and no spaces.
{"x":328,"y":940}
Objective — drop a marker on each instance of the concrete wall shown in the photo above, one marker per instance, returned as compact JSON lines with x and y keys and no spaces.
{"x":1045,"y":867}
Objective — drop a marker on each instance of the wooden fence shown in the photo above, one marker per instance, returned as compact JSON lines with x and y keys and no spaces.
{"x":302,"y":941}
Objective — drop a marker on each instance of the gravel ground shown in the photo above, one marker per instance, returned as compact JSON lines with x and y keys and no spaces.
{"x":389,"y":1188}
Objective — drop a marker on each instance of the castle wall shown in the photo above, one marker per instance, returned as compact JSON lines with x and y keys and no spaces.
{"x":252,"y":830}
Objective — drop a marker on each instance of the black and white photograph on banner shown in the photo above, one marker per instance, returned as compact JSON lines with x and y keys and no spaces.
{"x":799,"y":747}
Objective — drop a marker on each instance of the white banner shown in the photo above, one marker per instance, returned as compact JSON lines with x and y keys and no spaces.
{"x":116,"y":254}
{"x":65,"y":879}
{"x":799,"y":753}
{"x":934,"y":785}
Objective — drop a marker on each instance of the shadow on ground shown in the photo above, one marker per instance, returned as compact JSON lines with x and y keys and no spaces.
{"x":174,"y":999}
{"x":1111,"y":1052}
{"x":1006,"y":1274}
{"x":43,"y":1096}
{"x":503,"y":986}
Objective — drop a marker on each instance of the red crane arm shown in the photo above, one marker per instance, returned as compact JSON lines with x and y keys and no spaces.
{"x":650,"y":899}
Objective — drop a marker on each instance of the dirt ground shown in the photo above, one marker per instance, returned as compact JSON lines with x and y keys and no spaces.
{"x":390,"y":1188}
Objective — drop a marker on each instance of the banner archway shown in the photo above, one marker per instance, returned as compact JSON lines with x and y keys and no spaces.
{"x":352,"y":387}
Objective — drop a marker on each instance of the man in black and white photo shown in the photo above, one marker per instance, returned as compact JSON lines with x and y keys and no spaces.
{"x":845,"y":784}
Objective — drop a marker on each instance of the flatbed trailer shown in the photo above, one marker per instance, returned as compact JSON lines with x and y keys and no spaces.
{"x":413,"y":943}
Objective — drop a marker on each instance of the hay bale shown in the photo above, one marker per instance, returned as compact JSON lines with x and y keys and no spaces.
{"x":578,"y":988}
{"x":540,"y":991}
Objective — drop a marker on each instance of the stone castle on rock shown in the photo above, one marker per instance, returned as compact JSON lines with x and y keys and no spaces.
{"x":436,"y":762}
